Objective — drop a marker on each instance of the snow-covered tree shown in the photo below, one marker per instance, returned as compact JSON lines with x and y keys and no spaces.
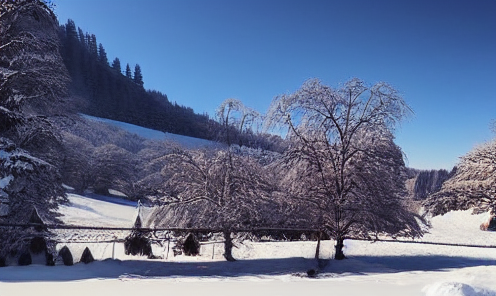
{"x":33,"y":78}
{"x":216,"y":189}
{"x":27,"y":183}
{"x":342,"y":161}
{"x":115,"y":169}
{"x":473,"y":185}
{"x":236,"y":119}
{"x":33,"y":81}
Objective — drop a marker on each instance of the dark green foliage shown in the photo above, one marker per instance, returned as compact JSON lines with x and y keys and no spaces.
{"x":116,"y":65}
{"x":102,"y":55}
{"x":2,"y":262}
{"x":50,"y":261}
{"x":66,"y":255}
{"x":87,"y":257}
{"x":492,"y":224}
{"x":137,"y":244}
{"x":38,"y":245}
{"x":128,"y":72}
{"x":25,"y":259}
{"x":191,"y":246}
{"x":138,"y":76}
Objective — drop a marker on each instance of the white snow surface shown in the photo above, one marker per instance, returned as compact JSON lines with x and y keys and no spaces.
{"x":266,"y":268}
{"x":185,"y":141}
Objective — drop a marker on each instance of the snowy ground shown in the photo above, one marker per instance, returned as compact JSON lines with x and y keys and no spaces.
{"x":267,"y":268}
{"x":187,"y":142}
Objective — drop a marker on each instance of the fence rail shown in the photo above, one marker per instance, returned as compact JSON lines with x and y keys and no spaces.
{"x":217,"y":230}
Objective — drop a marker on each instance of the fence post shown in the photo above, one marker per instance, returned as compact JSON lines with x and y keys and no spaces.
{"x":113,"y":251}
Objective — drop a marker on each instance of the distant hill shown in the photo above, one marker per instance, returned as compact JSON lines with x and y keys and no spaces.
{"x":105,"y":91}
{"x":422,"y":183}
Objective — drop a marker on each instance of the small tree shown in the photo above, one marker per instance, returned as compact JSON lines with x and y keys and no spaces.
{"x":342,"y":159}
{"x":236,"y":120}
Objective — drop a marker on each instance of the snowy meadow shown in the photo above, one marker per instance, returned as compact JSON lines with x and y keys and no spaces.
{"x":275,"y":268}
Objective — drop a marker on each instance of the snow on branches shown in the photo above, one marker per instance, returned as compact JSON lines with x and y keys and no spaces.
{"x":472,"y":186}
{"x":342,"y":159}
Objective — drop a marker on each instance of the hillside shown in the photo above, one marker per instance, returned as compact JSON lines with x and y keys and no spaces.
{"x":107,"y":92}
{"x":422,"y":183}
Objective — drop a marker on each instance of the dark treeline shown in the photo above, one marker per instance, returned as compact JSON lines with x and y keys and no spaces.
{"x":427,"y":182}
{"x":104,"y":91}
{"x":112,"y":91}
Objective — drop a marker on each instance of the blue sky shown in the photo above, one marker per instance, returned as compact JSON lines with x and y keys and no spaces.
{"x":440,"y":54}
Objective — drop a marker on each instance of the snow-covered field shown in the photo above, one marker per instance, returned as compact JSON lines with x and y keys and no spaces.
{"x":185,"y":141}
{"x":267,"y":268}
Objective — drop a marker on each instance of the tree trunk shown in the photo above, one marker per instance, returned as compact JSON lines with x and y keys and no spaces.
{"x":339,"y":248}
{"x":228,"y":245}
{"x":317,"y":250}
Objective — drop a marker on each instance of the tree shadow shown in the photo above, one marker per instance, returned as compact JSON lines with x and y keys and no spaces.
{"x":116,"y":269}
{"x":395,"y":264}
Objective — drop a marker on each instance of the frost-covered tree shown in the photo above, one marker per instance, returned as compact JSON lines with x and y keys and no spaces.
{"x":473,"y":185}
{"x":236,"y":119}
{"x":216,"y":189}
{"x":33,"y":78}
{"x":342,"y":160}
{"x":33,"y":82}
{"x":114,"y":168}
{"x":27,"y":183}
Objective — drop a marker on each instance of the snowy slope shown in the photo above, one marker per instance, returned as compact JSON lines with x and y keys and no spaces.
{"x":188,"y":142}
{"x":270,"y":268}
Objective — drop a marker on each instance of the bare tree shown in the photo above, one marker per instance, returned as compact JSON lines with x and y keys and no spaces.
{"x":342,"y":159}
{"x":236,"y":120}
{"x":473,"y":185}
{"x":114,"y":169}
{"x":219,"y":190}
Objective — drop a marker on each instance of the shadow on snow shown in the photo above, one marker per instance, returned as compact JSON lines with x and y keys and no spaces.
{"x":116,"y":269}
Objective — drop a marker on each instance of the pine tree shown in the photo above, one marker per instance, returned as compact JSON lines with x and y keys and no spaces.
{"x":138,"y":77}
{"x":128,"y":72}
{"x":102,"y":55}
{"x":92,"y":45}
{"x":116,"y":65}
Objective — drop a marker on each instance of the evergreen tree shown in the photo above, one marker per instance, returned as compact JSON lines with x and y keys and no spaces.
{"x":102,"y":55}
{"x":128,"y":72}
{"x":82,"y":39}
{"x":92,"y":45}
{"x":138,"y":77}
{"x":116,"y":65}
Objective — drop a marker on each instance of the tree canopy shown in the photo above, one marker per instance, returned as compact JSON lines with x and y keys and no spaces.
{"x":342,"y":160}
{"x":473,"y":185}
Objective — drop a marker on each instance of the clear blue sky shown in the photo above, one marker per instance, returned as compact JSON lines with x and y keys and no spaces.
{"x":441,"y":55}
